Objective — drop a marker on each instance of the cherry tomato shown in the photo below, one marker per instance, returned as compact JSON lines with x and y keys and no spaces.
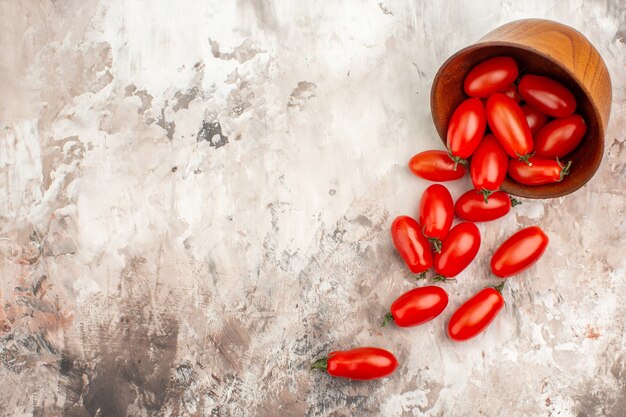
{"x":490,"y":76}
{"x":536,"y":120}
{"x":436,"y":213}
{"x":361,"y":364}
{"x":466,"y":129}
{"x":539,"y":171}
{"x":508,"y":123}
{"x":436,"y":166}
{"x":472,"y":207}
{"x":519,"y":252}
{"x":488,"y":166}
{"x":417,"y":306}
{"x":546,"y":95}
{"x":511,"y":92}
{"x":458,"y":250}
{"x":476,"y":314}
{"x":560,"y":137}
{"x":411,"y":244}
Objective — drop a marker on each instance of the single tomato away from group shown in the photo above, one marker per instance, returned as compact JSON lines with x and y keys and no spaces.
{"x":476,"y":314}
{"x":436,"y":166}
{"x":360,"y":364}
{"x":519,"y":252}
{"x":417,"y":306}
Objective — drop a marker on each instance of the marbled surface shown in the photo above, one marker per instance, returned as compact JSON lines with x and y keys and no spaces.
{"x":196,"y":201}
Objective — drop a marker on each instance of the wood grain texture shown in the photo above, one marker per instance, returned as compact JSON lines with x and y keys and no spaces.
{"x":547,"y":48}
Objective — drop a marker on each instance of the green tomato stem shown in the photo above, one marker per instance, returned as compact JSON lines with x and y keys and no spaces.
{"x":439,"y":278}
{"x":388,"y":318}
{"x":525,"y":158}
{"x":565,"y":169}
{"x":457,"y":160}
{"x":499,"y":287}
{"x":436,"y":244}
{"x":321,"y":364}
{"x":486,"y":193}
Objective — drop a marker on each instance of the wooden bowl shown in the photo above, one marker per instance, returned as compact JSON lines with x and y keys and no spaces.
{"x":546,"y":48}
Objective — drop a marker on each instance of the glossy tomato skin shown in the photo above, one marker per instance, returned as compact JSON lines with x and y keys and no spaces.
{"x":560,"y":137}
{"x":472,"y":207}
{"x":411,"y":244}
{"x":519,"y":252}
{"x":508,"y":123}
{"x":362,"y":363}
{"x":458,"y":250}
{"x":490,"y":76}
{"x":539,"y":172}
{"x":419,"y":306}
{"x":475,"y":315}
{"x":436,"y":212}
{"x":547,"y":95}
{"x":489,"y":164}
{"x":436,"y":166}
{"x":466,"y":128}
{"x":511,"y":92}
{"x":535,"y":119}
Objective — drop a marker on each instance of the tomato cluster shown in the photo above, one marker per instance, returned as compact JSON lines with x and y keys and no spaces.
{"x":535,"y":135}
{"x":490,"y":135}
{"x":453,"y":250}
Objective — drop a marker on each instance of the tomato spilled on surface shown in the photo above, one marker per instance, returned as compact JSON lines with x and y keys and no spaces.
{"x":362,"y":364}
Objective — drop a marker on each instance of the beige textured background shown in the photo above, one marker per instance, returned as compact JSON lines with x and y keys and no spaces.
{"x":196,"y":198}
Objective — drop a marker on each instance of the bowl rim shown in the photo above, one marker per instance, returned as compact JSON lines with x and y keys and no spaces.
{"x":482,"y":44}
